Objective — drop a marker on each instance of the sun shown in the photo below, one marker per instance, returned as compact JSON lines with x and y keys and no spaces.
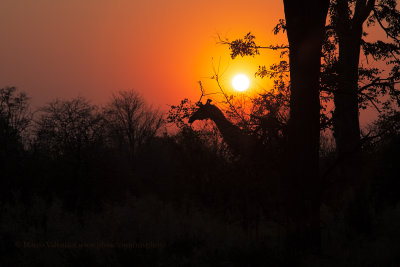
{"x":240,"y":82}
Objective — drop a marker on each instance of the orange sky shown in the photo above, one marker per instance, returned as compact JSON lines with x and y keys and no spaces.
{"x":160,"y":48}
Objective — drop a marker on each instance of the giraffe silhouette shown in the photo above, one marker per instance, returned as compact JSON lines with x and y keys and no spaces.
{"x":246,"y":146}
{"x":238,"y":141}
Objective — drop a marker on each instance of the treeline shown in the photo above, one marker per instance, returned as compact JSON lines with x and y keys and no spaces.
{"x":76,"y":172}
{"x":72,"y":149}
{"x":72,"y":171}
{"x":86,"y":156}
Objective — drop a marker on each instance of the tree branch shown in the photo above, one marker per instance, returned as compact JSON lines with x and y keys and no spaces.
{"x":272,"y":47}
{"x":384,"y":28}
{"x":371,"y":100}
{"x":378,"y":82}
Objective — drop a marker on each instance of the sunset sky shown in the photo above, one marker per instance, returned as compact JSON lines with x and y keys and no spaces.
{"x":159,"y":48}
{"x":62,"y":49}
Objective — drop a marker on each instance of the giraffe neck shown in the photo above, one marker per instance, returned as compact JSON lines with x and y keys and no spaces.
{"x":231,"y":133}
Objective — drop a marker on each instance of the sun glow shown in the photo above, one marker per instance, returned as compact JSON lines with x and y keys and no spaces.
{"x":240,"y":82}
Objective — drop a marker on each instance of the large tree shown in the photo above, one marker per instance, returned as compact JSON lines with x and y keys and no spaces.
{"x":349,"y":33}
{"x":305,"y":22}
{"x":344,"y":81}
{"x":348,"y":20}
{"x":357,"y":85}
{"x":354,"y":85}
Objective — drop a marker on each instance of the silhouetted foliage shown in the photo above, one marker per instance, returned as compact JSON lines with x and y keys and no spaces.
{"x":179,"y":114}
{"x":244,"y":47}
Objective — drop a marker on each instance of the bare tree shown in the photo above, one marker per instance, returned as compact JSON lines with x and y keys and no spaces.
{"x":15,"y":115}
{"x":68,"y":127}
{"x":131,"y":122}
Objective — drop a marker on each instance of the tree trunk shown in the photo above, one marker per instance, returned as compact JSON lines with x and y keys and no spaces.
{"x":346,"y":116}
{"x":305,"y":22}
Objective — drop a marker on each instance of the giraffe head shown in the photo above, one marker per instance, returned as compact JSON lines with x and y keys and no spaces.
{"x":203,"y":112}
